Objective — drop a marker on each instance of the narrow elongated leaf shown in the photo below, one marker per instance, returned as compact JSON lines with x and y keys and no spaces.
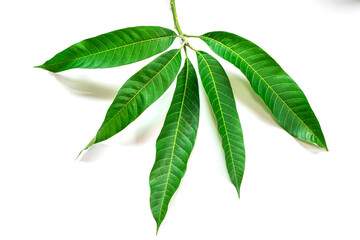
{"x":113,"y":49}
{"x":219,"y":92}
{"x":175,"y":142}
{"x":138,"y":93}
{"x":278,"y":90}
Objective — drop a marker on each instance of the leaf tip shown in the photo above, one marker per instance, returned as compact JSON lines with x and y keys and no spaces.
{"x":42,"y":66}
{"x":157,"y":227}
{"x":49,"y":68}
{"x":324,"y":146}
{"x":238,"y":192}
{"x":79,"y":154}
{"x":92,"y":142}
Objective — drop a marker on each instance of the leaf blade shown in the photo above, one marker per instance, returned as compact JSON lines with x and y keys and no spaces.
{"x":175,"y":142}
{"x":278,"y":90}
{"x":138,"y":93}
{"x":113,"y":49}
{"x":221,"y":98}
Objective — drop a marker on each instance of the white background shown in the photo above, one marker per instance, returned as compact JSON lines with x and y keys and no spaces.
{"x":290,"y":190}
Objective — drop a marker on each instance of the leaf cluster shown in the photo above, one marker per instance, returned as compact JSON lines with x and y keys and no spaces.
{"x":176,"y":140}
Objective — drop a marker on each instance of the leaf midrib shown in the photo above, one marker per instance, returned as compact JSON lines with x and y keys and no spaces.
{"x":263,"y":80}
{"x":108,"y":50}
{"x":175,"y":138}
{"x":140,"y":90}
{"x":223,"y":120}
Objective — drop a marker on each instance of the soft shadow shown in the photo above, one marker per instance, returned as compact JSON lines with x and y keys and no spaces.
{"x":245,"y":94}
{"x":86,"y":87}
{"x":146,"y":131}
{"x":150,"y":122}
{"x":93,"y":153}
{"x":310,"y":147}
{"x":346,"y":3}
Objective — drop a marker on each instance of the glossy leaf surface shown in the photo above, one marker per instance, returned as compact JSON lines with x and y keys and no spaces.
{"x":219,"y":92}
{"x":113,"y":49}
{"x":175,"y":142}
{"x":138,"y":93}
{"x":278,"y":90}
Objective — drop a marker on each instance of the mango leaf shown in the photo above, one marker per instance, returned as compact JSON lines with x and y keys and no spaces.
{"x":175,"y":142}
{"x":278,"y":90}
{"x":113,"y":49}
{"x":219,"y":92}
{"x":138,"y":93}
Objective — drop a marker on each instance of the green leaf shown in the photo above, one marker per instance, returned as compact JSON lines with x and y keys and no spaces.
{"x":175,"y":142}
{"x":113,"y":49}
{"x":219,"y":92}
{"x":138,"y":93}
{"x":278,"y":90}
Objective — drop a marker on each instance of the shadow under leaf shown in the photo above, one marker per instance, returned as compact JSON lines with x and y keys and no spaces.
{"x":345,"y":3}
{"x":86,"y":87}
{"x":245,"y":94}
{"x":93,"y":153}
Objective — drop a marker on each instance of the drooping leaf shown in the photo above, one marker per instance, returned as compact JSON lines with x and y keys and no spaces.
{"x":113,"y":49}
{"x":138,"y":93}
{"x":219,"y":92}
{"x":278,"y":90}
{"x":175,"y":142}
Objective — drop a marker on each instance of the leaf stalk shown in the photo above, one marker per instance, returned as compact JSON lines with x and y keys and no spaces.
{"x":176,"y":21}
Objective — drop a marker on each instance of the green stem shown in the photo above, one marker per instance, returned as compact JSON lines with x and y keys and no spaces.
{"x":188,"y":45}
{"x":191,"y":36}
{"x":176,"y":22}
